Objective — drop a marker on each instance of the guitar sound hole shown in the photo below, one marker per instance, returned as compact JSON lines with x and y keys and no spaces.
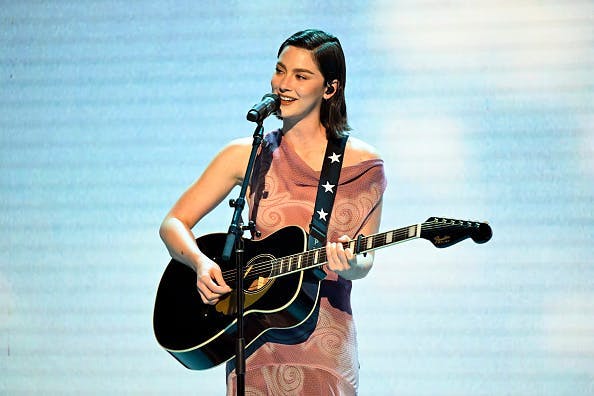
{"x":257,"y":273}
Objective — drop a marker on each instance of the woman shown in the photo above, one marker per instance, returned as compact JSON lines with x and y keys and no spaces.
{"x":309,"y":77}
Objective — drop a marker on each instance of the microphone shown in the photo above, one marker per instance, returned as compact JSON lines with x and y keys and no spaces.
{"x":269,"y":104}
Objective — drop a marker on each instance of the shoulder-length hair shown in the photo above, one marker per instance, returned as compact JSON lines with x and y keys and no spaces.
{"x":329,"y":57}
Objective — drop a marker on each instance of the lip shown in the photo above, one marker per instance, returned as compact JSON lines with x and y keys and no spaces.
{"x":287,"y":102}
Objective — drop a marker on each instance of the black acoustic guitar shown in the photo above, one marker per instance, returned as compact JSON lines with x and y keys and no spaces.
{"x":281,"y":289}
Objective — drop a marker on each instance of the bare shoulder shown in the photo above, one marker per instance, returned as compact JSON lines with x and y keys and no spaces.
{"x":238,"y":145}
{"x":231,"y":160}
{"x":358,"y":151}
{"x":236,"y":151}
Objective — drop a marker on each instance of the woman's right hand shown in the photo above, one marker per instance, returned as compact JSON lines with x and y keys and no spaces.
{"x":210,"y":282}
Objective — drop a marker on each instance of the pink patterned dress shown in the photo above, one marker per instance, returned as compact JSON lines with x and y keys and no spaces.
{"x":282,"y":193}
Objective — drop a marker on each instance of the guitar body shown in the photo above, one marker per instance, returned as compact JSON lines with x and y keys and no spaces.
{"x":201,"y":336}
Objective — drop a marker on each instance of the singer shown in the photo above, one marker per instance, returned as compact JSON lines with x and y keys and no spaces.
{"x":319,"y":356}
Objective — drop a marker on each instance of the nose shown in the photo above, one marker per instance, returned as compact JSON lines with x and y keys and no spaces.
{"x":281,"y":83}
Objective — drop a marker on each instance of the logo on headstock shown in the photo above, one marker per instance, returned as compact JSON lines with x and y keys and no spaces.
{"x":441,"y":240}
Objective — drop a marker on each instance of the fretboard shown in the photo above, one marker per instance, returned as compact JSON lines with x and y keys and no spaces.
{"x":317,"y":257}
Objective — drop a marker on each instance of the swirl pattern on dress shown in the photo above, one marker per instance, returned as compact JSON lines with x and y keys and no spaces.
{"x":285,"y":379}
{"x":349,"y":210}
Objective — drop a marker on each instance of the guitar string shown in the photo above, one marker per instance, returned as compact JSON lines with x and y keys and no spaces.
{"x":308,"y":257}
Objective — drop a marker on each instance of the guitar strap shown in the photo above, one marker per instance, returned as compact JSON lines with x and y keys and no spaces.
{"x":327,"y":188}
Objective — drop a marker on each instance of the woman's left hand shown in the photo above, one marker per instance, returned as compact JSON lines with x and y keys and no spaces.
{"x":344,"y":262}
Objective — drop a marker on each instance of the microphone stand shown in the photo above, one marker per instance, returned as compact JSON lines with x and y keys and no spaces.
{"x":235,"y":241}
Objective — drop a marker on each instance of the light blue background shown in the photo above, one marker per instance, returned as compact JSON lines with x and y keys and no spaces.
{"x":482,"y":110}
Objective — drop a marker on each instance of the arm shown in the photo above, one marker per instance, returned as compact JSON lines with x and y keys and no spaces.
{"x":343,"y":261}
{"x":224,"y":172}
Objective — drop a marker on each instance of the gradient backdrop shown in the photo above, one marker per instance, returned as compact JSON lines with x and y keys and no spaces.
{"x":482,"y":110}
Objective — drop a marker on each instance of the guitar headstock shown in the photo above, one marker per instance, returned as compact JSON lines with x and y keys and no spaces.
{"x":444,"y":232}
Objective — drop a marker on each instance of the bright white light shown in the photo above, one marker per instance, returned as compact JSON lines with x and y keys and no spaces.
{"x":428,"y":151}
{"x":568,"y":327}
{"x":528,"y":43}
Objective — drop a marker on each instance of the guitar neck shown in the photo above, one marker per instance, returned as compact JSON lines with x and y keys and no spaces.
{"x":317,"y":257}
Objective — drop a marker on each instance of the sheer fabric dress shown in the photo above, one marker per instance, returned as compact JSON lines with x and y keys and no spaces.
{"x":282,"y":192}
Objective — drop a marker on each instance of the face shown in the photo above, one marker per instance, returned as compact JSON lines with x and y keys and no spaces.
{"x":299,"y":83}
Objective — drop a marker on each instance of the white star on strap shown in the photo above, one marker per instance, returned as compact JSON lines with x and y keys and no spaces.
{"x":334,"y":158}
{"x":328,"y":187}
{"x":322,"y":214}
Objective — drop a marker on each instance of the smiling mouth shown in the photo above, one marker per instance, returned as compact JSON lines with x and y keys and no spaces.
{"x":285,"y":100}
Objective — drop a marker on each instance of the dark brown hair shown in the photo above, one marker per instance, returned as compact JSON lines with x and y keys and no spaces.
{"x":329,"y":57}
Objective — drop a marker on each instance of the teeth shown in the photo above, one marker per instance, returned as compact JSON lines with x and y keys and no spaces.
{"x":286,"y":98}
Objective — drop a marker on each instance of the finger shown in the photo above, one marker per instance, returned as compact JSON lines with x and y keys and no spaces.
{"x":335,"y":262}
{"x":342,"y":256}
{"x":219,"y":284}
{"x":203,"y":292}
{"x":331,"y":256}
{"x":205,"y":286}
{"x":340,"y":252}
{"x":209,"y":298}
{"x":344,"y":238}
{"x":210,"y":301}
{"x":349,"y":255}
{"x":345,"y":242}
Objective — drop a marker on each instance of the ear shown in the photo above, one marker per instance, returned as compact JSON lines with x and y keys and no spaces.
{"x":331,"y":88}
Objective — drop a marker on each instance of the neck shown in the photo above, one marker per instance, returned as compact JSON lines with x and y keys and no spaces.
{"x":304,"y":131}
{"x":308,"y":141}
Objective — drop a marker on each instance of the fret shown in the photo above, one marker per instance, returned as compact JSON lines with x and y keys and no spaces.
{"x":275,"y":268}
{"x":379,"y":240}
{"x":307,"y":258}
{"x":389,"y":237}
{"x":412,"y":231}
{"x":299,"y":259}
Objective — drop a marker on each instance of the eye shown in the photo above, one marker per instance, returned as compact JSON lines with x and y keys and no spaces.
{"x":300,"y":77}
{"x":278,"y":70}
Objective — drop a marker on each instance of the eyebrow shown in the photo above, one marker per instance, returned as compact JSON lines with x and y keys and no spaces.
{"x":298,"y":70}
